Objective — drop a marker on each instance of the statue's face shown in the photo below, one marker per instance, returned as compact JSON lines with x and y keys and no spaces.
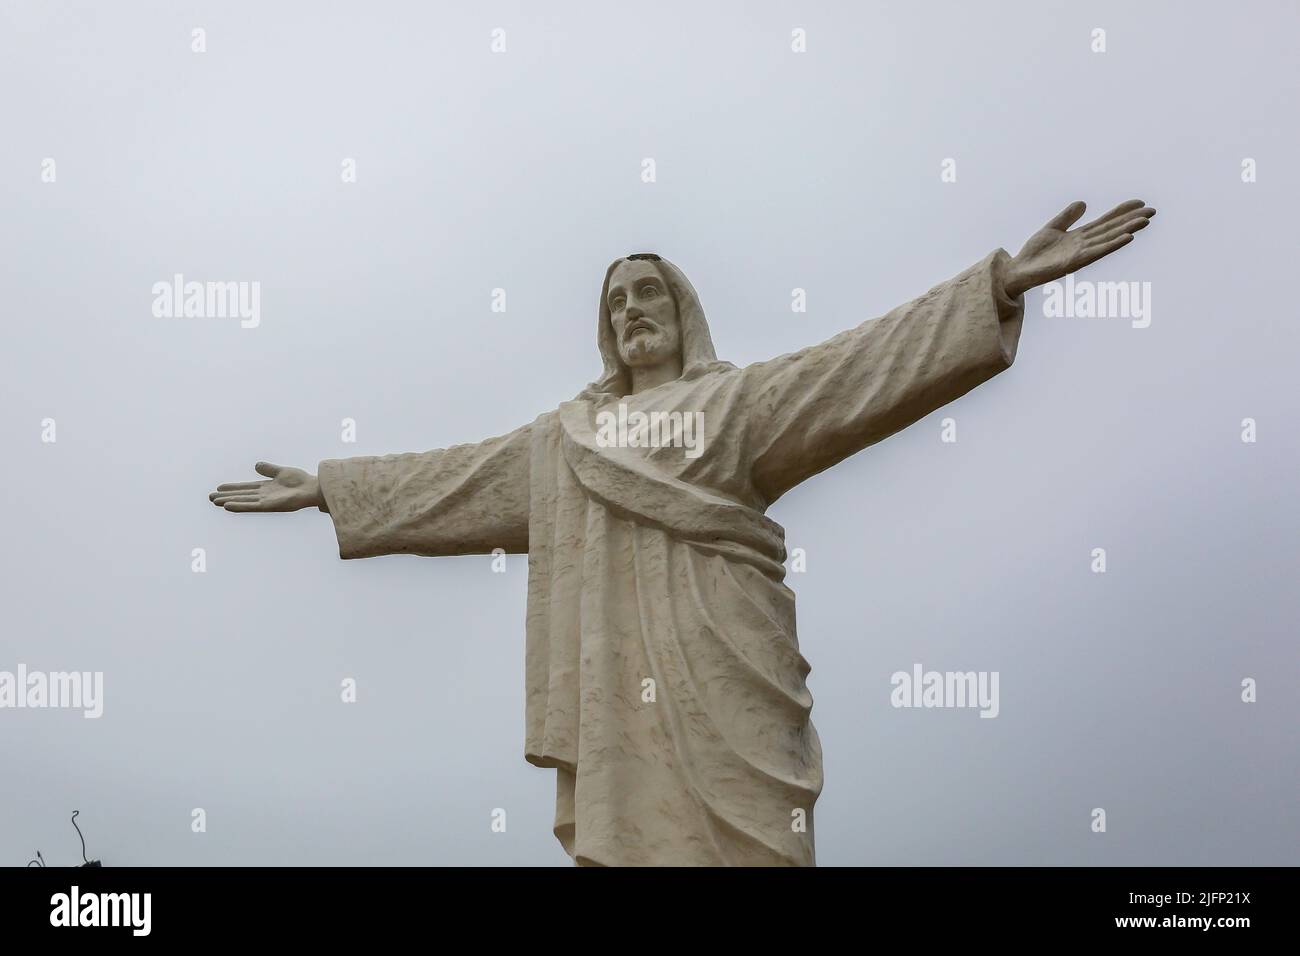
{"x":643,"y":314}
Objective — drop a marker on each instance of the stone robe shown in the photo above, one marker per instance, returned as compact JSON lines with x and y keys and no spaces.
{"x":646,"y":565}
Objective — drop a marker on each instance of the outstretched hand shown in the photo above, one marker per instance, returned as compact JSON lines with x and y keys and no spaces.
{"x":1055,"y":251}
{"x":289,"y":489}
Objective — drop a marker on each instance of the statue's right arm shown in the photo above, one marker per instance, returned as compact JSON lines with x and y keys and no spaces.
{"x":466,"y":499}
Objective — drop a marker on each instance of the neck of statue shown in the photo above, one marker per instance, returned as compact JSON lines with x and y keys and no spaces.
{"x":653,"y":375}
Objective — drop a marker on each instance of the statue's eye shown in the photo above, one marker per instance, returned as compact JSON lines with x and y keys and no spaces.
{"x":617,"y":303}
{"x":649,"y":292}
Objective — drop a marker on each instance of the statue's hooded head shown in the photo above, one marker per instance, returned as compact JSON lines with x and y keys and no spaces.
{"x":649,"y":314}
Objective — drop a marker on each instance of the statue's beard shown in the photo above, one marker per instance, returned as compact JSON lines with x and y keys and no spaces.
{"x":645,"y":348}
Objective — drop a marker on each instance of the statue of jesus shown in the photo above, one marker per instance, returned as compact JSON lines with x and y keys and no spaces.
{"x":664,"y":681}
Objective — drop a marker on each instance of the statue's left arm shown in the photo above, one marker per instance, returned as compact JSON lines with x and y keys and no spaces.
{"x":814,"y":408}
{"x":807,"y":411}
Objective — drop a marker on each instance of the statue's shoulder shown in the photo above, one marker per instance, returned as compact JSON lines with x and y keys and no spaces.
{"x":549,"y":420}
{"x":712,"y":373}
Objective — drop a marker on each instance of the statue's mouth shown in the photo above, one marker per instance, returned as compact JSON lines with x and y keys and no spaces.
{"x":636,"y":327}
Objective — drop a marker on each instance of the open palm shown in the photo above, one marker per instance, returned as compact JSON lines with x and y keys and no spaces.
{"x":288,"y":489}
{"x":1056,"y":250}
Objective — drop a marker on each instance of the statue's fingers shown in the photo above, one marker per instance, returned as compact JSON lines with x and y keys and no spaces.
{"x":1109,"y":222}
{"x":239,"y":485}
{"x":240,"y":506}
{"x":268,"y":469}
{"x":1092,"y":253}
{"x":235,"y":496}
{"x":1133,"y":225}
{"x":1122,"y":210}
{"x":1068,"y":216}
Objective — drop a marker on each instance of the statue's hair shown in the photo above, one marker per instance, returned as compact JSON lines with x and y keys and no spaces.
{"x":698,"y":355}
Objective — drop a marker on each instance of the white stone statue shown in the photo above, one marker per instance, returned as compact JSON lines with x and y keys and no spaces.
{"x":664,"y":681}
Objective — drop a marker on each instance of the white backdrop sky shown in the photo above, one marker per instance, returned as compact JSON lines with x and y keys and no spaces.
{"x":521,"y":170}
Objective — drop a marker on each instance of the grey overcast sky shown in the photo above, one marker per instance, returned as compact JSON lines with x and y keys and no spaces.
{"x":522,"y":170}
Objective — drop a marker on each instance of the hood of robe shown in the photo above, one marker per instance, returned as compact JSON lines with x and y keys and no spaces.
{"x":698,"y":356}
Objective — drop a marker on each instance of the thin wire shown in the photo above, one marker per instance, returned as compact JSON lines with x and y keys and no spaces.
{"x":83,"y":839}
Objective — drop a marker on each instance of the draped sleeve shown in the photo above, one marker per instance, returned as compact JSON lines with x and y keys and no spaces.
{"x":811,"y":409}
{"x":467,"y":499}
